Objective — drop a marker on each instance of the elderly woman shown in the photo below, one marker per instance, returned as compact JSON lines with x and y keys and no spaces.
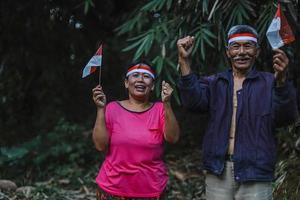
{"x":132,"y":133}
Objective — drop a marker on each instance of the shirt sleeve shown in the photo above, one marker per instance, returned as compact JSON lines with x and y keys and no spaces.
{"x":197,"y":88}
{"x":285,"y":110}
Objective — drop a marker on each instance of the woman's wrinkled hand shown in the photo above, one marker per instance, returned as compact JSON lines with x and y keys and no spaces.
{"x":166,"y":92}
{"x":99,"y":97}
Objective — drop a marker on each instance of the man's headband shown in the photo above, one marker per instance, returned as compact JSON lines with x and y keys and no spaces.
{"x":242,"y":36}
{"x":141,"y":68}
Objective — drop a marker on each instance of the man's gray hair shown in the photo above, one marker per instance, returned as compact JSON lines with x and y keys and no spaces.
{"x":241,"y":29}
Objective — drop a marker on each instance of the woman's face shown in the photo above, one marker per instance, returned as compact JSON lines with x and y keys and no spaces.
{"x":139,"y":85}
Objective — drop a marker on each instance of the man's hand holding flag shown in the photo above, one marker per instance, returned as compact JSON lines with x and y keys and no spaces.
{"x":279,"y":32}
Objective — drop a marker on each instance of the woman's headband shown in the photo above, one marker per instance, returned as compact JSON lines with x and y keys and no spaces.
{"x":142,"y":68}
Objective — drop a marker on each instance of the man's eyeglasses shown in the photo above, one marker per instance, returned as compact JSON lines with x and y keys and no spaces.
{"x":249,"y":46}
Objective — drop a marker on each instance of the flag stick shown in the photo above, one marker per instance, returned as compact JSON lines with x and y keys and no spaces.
{"x":100,"y":75}
{"x":100,"y":64}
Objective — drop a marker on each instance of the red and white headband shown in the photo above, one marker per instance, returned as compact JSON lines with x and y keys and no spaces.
{"x":141,"y":68}
{"x":242,"y":36}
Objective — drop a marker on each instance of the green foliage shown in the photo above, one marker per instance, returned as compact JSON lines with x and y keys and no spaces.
{"x":51,"y":190}
{"x":266,"y":16}
{"x":238,"y":12}
{"x":44,"y":47}
{"x":203,"y":37}
{"x":287,"y":185}
{"x":87,"y":5}
{"x":45,"y":44}
{"x":65,"y":145}
{"x":160,"y":23}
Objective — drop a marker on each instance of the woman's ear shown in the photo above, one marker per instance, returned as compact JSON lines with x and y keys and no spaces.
{"x":153,"y":85}
{"x":126,"y":83}
{"x":152,"y":88}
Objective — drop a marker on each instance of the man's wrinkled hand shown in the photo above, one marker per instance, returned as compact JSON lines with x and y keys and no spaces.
{"x":280,"y":65}
{"x":185,"y":46}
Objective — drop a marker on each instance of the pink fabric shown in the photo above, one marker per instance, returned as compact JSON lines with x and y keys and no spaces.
{"x":133,"y":166}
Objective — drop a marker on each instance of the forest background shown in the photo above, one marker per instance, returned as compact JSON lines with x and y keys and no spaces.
{"x":46,"y":110}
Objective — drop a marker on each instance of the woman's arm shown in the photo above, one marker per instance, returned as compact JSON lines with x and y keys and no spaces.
{"x":172,"y":130}
{"x":100,"y":134}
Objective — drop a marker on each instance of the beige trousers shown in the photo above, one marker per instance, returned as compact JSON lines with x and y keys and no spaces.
{"x":226,"y":188}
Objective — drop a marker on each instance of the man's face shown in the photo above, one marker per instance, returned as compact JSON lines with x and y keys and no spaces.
{"x":242,"y":54}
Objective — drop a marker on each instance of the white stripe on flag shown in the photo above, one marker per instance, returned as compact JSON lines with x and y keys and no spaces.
{"x":273,"y":34}
{"x":95,"y":61}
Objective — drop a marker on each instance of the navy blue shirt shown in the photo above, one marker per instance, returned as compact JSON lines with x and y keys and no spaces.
{"x":261,"y":108}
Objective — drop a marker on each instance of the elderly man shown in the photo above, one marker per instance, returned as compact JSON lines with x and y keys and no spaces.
{"x":244,"y":106}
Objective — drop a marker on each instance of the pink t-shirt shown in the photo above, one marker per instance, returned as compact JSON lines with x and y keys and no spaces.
{"x":133,"y":166}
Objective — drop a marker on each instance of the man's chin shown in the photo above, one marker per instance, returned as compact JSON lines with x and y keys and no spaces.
{"x":243,"y":66}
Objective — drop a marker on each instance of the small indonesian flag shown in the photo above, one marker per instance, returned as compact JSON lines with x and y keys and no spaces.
{"x":94,"y":62}
{"x":279,"y":32}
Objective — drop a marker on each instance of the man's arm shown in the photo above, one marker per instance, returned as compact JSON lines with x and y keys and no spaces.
{"x":194,"y":92}
{"x":285,"y":109}
{"x":284,"y":104}
{"x":185,"y":47}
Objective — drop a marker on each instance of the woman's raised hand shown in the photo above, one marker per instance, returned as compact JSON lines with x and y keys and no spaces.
{"x":166,"y":92}
{"x":99,"y":97}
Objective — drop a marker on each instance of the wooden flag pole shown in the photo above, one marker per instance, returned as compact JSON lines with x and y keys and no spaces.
{"x":100,"y":67}
{"x":100,"y":74}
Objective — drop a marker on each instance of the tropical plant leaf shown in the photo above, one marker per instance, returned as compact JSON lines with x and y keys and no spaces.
{"x":169,"y":4}
{"x":136,"y":21}
{"x":137,"y":37}
{"x":132,"y":46}
{"x":266,"y":16}
{"x":204,"y":6}
{"x":158,"y":61}
{"x":238,"y":12}
{"x":156,"y":5}
{"x":190,"y":18}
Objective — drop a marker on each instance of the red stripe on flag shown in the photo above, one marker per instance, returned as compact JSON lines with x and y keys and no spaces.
{"x":285,"y":31}
{"x":93,"y":69}
{"x":99,"y":51}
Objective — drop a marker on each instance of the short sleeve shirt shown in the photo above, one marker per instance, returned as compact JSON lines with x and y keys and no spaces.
{"x":133,"y":166}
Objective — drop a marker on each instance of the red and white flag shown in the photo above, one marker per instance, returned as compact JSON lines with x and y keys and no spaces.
{"x":94,"y":62}
{"x":279,"y":32}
